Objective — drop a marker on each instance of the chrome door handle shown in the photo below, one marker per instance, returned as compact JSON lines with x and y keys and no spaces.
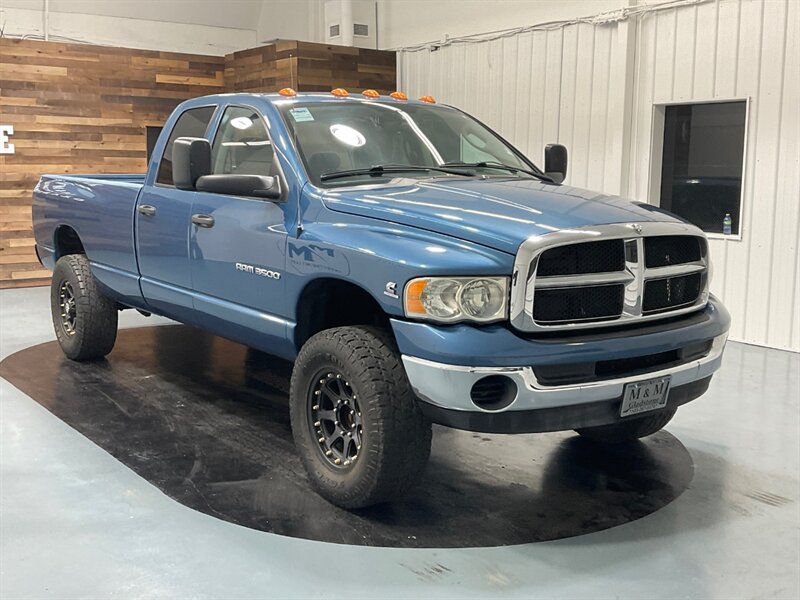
{"x":147,"y":210}
{"x":203,"y":220}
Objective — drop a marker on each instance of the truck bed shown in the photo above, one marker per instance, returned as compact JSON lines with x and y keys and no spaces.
{"x":101,"y":210}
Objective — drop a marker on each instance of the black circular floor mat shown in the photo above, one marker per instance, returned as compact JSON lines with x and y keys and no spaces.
{"x":207,"y":422}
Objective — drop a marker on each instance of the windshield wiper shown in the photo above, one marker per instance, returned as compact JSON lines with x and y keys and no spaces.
{"x":491,"y":164}
{"x":378,"y":170}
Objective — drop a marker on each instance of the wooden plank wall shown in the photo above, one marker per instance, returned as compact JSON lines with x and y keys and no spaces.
{"x":310,"y":67}
{"x":80,"y":109}
{"x":84,"y":109}
{"x":322,"y":67}
{"x":263,"y":69}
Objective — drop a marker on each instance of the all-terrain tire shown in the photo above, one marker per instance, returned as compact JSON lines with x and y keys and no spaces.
{"x":91,"y":329}
{"x":396,"y":437}
{"x":627,"y":431}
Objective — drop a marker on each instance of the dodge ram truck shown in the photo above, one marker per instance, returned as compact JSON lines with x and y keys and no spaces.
{"x":414,"y":265}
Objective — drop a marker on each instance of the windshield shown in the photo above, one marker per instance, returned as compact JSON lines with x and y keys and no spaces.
{"x":335,"y":137}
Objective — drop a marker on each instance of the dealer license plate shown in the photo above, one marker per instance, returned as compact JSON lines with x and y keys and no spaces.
{"x":644,"y":396}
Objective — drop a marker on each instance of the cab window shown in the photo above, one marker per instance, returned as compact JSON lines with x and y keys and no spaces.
{"x":242,"y":145}
{"x":192,"y":123}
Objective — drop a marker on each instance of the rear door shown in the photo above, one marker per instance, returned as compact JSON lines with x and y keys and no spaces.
{"x":238,"y":249}
{"x":163,"y":219}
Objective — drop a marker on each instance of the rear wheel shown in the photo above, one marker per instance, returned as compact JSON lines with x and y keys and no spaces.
{"x":627,"y":431}
{"x":84,"y":320}
{"x":355,"y":420}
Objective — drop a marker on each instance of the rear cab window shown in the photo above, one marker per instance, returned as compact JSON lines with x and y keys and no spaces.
{"x":192,"y":123}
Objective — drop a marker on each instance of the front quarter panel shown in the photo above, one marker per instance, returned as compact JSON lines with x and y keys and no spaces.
{"x":373,"y":253}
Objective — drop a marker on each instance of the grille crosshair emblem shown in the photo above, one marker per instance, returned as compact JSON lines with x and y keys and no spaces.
{"x":636,"y":227}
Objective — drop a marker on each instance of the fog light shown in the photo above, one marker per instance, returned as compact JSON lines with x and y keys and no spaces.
{"x":494,"y":392}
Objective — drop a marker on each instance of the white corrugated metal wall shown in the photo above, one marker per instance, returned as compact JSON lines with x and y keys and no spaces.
{"x":535,"y":88}
{"x":594,"y":87}
{"x":738,"y":49}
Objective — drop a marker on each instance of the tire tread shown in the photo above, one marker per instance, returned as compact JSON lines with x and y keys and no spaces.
{"x":96,"y":327}
{"x":403,"y":432}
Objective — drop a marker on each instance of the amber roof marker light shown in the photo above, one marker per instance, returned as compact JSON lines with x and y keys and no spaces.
{"x":398,"y":96}
{"x":287,"y":92}
{"x":428,"y":99}
{"x":370,"y":94}
{"x":340,"y":92}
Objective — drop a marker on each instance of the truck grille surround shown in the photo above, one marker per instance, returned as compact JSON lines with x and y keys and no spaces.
{"x":609,"y":275}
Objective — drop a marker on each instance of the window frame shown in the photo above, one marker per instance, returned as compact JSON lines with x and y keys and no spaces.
{"x":657,"y":156}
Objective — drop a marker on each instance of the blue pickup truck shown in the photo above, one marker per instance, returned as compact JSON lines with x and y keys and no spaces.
{"x":414,"y":264}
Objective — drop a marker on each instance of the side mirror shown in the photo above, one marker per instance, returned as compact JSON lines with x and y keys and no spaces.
{"x":258,"y":186}
{"x":191,"y":160}
{"x":555,"y":162}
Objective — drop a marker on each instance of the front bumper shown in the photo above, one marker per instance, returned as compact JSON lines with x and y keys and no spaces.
{"x":445,"y":388}
{"x":562,"y":418}
{"x":445,"y":391}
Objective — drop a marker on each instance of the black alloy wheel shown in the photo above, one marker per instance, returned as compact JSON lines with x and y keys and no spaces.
{"x":336,"y":419}
{"x":69,"y":309}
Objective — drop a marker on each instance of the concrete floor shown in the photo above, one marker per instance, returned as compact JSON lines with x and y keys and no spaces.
{"x":74,"y":522}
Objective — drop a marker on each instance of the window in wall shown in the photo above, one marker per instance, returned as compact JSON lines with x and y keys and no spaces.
{"x":242,"y":144}
{"x":701,"y":174}
{"x":192,"y":123}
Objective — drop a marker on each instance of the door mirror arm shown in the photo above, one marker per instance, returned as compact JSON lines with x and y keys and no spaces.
{"x":254,"y":186}
{"x":191,"y":171}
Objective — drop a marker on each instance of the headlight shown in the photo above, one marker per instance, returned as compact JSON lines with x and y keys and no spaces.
{"x":451,"y":299}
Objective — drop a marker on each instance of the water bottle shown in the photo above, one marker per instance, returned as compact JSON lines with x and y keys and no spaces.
{"x":727,"y":224}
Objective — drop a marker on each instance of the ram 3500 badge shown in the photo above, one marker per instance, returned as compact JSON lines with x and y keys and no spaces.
{"x":415,"y":266}
{"x":260,"y":271}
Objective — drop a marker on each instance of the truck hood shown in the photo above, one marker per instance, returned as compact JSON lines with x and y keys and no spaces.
{"x":498,"y":213}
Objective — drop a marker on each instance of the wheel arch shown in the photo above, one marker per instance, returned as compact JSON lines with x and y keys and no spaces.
{"x":66,"y":241}
{"x":327,"y":302}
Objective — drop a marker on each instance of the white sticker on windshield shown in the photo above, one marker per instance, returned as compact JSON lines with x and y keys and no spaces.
{"x":301,"y":114}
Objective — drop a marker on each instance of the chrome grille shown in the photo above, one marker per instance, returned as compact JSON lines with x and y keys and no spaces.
{"x":672,"y":250}
{"x":571,"y":279}
{"x":670,"y":293}
{"x":591,"y":257}
{"x":565,"y":305}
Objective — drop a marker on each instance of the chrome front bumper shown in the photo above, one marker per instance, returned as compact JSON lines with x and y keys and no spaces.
{"x":449,"y":386}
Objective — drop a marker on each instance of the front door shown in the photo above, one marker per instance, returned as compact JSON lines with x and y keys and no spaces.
{"x":237,"y":245}
{"x":163,"y":217}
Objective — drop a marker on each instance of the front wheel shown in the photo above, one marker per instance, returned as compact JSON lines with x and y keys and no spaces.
{"x":627,"y":431}
{"x":84,"y":320}
{"x":355,"y":420}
